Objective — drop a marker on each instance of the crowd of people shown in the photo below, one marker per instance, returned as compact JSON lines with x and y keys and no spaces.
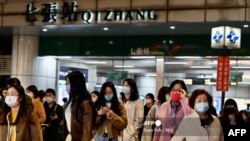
{"x":29,"y":114}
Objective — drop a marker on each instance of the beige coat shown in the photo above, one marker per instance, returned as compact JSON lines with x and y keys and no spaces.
{"x":190,"y":129}
{"x":135,"y":113}
{"x":147,"y":133}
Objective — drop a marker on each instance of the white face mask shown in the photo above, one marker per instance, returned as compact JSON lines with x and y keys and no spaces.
{"x":168,"y":98}
{"x":47,"y":99}
{"x":125,"y":90}
{"x":30,"y":94}
{"x":11,"y":101}
{"x":94,"y":99}
{"x":149,"y":101}
{"x":68,"y":88}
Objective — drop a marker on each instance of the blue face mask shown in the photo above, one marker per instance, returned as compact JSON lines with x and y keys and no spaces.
{"x":201,"y":107}
{"x":125,"y":90}
{"x":109,"y":97}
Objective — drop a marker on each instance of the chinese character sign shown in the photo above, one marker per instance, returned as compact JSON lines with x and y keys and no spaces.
{"x":70,"y":11}
{"x":223,"y":71}
{"x":225,"y":36}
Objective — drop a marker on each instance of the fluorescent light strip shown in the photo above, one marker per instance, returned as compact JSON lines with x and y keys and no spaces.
{"x":201,"y":67}
{"x":95,"y":62}
{"x":241,"y":67}
{"x":188,"y":57}
{"x":215,"y":62}
{"x":142,"y":57}
{"x":124,"y":66}
{"x":150,"y":75}
{"x":244,"y":83}
{"x":63,"y":57}
{"x":176,"y":63}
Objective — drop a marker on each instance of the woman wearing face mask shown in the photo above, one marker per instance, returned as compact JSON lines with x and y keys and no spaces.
{"x":17,"y":121}
{"x":94,"y":96}
{"x":231,"y":120}
{"x":149,"y":115}
{"x":112,"y":116}
{"x":135,"y":111}
{"x":79,"y":111}
{"x":163,"y":96}
{"x":32,"y":92}
{"x":200,"y":125}
{"x":172,"y":112}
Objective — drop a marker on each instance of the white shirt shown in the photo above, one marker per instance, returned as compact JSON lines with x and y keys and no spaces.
{"x":68,"y":117}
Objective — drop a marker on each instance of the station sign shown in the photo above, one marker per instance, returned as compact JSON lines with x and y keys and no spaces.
{"x":54,"y":12}
{"x":226,"y":37}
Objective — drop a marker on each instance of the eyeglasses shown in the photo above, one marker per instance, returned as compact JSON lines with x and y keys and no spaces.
{"x":12,"y":94}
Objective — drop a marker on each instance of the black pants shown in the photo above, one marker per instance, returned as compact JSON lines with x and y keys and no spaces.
{"x":52,"y":134}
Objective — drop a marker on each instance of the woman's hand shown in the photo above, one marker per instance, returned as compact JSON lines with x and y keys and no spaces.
{"x":101,"y":111}
{"x":108,"y":112}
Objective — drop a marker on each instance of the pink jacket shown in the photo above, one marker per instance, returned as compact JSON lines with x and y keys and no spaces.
{"x":162,"y":132}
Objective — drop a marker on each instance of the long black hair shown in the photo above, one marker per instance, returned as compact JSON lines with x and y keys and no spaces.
{"x":224,"y":116}
{"x":101,"y":102}
{"x":78,"y":93}
{"x":133,"y":88}
{"x":78,"y":87}
{"x":162,"y":94}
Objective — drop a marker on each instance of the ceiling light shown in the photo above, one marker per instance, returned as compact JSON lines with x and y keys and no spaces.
{"x":188,"y":57}
{"x":243,"y":83}
{"x":172,"y":27}
{"x":245,"y":25}
{"x":105,"y":28}
{"x":45,"y":29}
{"x":176,"y":63}
{"x":216,"y":62}
{"x":201,"y":67}
{"x":241,"y":67}
{"x":63,"y":57}
{"x":111,"y":42}
{"x":150,"y":75}
{"x":142,"y":57}
{"x":95,"y":62}
{"x":124,"y":66}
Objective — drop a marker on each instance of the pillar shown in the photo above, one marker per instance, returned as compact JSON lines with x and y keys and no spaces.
{"x":24,"y":52}
{"x":28,"y":67}
{"x":159,"y":73}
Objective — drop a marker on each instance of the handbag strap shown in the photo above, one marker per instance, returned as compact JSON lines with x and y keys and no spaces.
{"x":53,"y":111}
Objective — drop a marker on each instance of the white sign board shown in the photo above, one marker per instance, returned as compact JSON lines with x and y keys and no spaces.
{"x":217,"y":37}
{"x":232,"y":37}
{"x":225,"y":36}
